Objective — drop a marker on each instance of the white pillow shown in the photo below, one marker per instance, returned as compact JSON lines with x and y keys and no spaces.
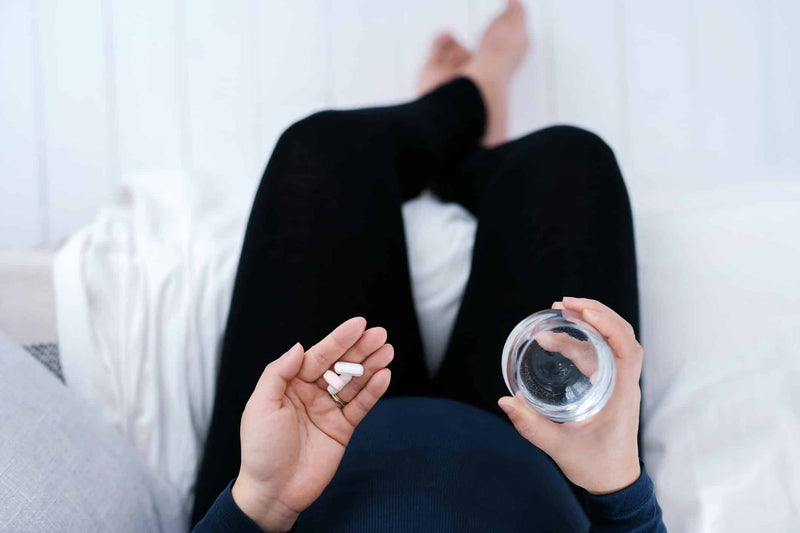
{"x":718,"y":277}
{"x":64,"y":469}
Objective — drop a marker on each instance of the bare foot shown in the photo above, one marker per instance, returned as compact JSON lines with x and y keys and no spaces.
{"x":445,"y":61}
{"x":501,"y":50}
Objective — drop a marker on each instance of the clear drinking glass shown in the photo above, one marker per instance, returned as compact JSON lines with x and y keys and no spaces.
{"x":561,"y":365}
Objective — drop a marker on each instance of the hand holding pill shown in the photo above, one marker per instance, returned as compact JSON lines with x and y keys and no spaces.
{"x":294,"y":434}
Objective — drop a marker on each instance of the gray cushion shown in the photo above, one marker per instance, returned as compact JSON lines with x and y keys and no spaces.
{"x":62,"y":468}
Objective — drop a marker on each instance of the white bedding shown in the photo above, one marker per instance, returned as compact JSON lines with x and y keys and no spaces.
{"x":142,"y":297}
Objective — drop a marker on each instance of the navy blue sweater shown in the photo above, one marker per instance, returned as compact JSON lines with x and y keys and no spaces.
{"x":424,"y":464}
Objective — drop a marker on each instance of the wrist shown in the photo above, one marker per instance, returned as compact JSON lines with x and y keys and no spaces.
{"x":622,"y":480}
{"x":266,"y":511}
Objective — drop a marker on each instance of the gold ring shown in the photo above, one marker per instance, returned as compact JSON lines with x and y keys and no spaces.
{"x":342,"y":403}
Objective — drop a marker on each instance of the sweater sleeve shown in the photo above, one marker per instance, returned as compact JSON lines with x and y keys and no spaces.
{"x":226,"y":517}
{"x":633,"y":509}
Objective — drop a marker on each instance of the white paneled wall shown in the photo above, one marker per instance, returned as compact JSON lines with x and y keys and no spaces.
{"x":92,"y":91}
{"x":21,"y":170}
{"x":658,"y":115}
{"x":75,"y":108}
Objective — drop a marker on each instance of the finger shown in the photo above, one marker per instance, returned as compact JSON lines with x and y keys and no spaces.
{"x":356,"y":410}
{"x":617,"y":332}
{"x":370,"y":340}
{"x":580,"y":353}
{"x":373,"y":364}
{"x":272,"y":383}
{"x":322,"y":355}
{"x":579,"y":304}
{"x":540,"y":431}
{"x":557,"y":305}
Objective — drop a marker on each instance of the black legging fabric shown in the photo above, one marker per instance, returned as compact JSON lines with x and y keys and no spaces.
{"x":325,"y":242}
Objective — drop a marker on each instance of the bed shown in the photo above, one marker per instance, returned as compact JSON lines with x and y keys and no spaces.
{"x":141,"y":298}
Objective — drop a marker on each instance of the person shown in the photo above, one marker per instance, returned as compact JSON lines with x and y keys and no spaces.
{"x":325,"y":242}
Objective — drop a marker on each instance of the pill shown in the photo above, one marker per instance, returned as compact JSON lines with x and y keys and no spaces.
{"x":354,"y":369}
{"x":334,"y":380}
{"x":345,"y":379}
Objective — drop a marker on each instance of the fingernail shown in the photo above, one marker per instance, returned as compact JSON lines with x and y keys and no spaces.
{"x":296,"y":346}
{"x":567,"y":299}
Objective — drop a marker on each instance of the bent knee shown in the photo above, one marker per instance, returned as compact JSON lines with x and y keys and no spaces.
{"x":579,"y":153}
{"x":562,"y":160}
{"x":312,"y":130}
{"x":578,"y":142}
{"x":324,"y":150}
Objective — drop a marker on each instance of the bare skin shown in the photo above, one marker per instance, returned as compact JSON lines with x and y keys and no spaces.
{"x":500,"y":52}
{"x":445,"y":61}
{"x":293,"y":434}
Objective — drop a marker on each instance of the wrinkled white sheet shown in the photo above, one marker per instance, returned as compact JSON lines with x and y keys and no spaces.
{"x":142,"y":297}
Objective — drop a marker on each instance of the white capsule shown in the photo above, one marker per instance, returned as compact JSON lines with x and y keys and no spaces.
{"x":354,"y":369}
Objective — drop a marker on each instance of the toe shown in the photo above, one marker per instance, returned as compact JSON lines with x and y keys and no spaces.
{"x":455,"y":55}
{"x":514,"y":10}
{"x":449,"y":56}
{"x":442,"y":41}
{"x":461,"y":56}
{"x":514,"y":6}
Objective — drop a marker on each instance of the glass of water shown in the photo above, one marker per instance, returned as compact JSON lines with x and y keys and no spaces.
{"x":562,"y":366}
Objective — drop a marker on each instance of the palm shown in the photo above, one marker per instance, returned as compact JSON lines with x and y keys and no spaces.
{"x":293,"y":443}
{"x":301,"y":444}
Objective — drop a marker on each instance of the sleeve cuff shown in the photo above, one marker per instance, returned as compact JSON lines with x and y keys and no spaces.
{"x":622,"y":504}
{"x":226,"y":517}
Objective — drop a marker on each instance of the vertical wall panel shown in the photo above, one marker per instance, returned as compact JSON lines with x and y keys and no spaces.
{"x":659,"y":119}
{"x":533,"y":91}
{"x":20,"y":209}
{"x":219,"y":50}
{"x":292,"y":41}
{"x":292,"y":65}
{"x":148,"y":72}
{"x":75,"y":110}
{"x":588,"y":78}
{"x":366,"y":40}
{"x":727,"y":95}
{"x":783,"y":88}
{"x":480,"y":14}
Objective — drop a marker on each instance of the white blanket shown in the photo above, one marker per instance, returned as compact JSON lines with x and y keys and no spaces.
{"x":143,"y":294}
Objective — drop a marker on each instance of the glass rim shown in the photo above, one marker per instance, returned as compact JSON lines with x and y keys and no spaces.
{"x":600,"y":391}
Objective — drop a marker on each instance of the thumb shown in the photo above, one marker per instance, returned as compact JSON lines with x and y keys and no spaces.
{"x":279,"y":373}
{"x":540,"y":431}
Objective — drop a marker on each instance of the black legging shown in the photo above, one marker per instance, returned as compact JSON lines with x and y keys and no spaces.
{"x":325,"y":242}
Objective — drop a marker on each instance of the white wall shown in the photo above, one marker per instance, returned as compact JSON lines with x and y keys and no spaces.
{"x":92,"y":90}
